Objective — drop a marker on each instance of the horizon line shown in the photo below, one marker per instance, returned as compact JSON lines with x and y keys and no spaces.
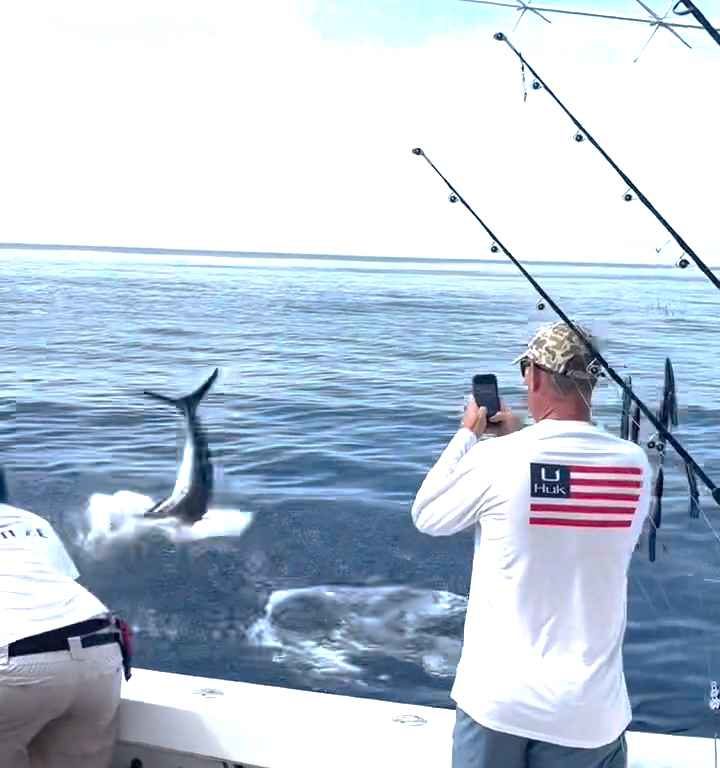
{"x":226,"y":253}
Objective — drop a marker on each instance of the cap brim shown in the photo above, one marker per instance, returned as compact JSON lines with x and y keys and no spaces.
{"x":519,"y":358}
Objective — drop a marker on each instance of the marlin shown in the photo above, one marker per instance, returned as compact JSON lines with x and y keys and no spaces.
{"x":193,"y":489}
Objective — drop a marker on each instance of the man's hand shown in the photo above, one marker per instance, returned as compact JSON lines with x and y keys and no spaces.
{"x":475,"y":418}
{"x":504,"y":422}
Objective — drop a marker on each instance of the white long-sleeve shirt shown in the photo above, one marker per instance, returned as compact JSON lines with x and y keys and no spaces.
{"x":557,"y":508}
{"x":38,"y":587}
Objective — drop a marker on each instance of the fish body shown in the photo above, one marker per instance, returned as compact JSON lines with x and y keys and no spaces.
{"x":193,"y":489}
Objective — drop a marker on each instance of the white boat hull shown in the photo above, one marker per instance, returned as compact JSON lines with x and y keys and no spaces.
{"x":181,"y":721}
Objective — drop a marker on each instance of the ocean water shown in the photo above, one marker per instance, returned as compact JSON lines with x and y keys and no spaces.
{"x":341,"y":381}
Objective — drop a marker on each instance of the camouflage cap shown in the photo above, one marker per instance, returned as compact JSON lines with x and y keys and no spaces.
{"x":558,"y":349}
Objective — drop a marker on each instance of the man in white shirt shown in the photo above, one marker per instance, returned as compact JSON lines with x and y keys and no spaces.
{"x":60,"y":661}
{"x":557,"y":509}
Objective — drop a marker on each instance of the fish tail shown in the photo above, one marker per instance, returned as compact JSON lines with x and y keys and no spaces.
{"x":189,"y":403}
{"x":161,"y":398}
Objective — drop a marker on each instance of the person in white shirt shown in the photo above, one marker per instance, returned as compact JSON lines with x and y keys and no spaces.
{"x":60,"y":659}
{"x":557,"y":509}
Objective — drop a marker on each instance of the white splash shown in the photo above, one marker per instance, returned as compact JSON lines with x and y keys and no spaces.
{"x":329,"y":630}
{"x":119,"y":517}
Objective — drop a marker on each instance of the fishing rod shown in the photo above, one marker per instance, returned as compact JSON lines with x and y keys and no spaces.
{"x":523,"y":7}
{"x":695,"y":11}
{"x":667,"y":414}
{"x":582,"y":134}
{"x":599,"y":360}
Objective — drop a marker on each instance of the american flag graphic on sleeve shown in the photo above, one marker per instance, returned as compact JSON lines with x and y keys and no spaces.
{"x":584,"y":496}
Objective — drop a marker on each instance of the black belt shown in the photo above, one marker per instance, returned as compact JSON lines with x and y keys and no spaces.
{"x":57,"y":639}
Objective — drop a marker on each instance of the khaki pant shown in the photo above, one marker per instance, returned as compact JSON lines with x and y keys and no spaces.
{"x":59,"y":710}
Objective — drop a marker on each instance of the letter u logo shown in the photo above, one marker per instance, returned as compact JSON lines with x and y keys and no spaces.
{"x":547,"y":479}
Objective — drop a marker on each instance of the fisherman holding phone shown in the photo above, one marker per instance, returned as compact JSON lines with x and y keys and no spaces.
{"x":557,"y":509}
{"x":61,"y":657}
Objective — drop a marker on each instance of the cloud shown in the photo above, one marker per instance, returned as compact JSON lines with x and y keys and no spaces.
{"x":252,"y":126}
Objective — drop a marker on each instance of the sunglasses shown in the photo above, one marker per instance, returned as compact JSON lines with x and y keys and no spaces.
{"x":525,"y":363}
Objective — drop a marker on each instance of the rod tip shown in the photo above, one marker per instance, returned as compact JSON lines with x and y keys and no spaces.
{"x":499,"y":36}
{"x":417,"y":151}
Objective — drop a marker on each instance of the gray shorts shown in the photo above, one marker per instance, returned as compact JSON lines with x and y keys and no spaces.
{"x":475,"y":746}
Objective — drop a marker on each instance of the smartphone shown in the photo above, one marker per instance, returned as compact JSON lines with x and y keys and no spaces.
{"x":485,"y":392}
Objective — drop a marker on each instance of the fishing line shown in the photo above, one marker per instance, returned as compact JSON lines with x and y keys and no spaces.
{"x":589,"y":14}
{"x":664,"y":593}
{"x":707,"y":651}
{"x":660,"y":22}
{"x":524,"y":7}
{"x":714,"y":532}
{"x":598,"y":360}
{"x":661,"y":589}
{"x":634,"y":577}
{"x":584,"y":134}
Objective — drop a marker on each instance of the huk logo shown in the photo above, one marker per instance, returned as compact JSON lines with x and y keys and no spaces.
{"x":549,"y":481}
{"x":549,"y":477}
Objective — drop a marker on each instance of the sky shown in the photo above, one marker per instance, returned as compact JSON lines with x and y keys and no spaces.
{"x":286,"y":126}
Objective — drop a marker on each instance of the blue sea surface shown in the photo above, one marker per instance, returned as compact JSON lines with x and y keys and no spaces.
{"x":341,"y":381}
